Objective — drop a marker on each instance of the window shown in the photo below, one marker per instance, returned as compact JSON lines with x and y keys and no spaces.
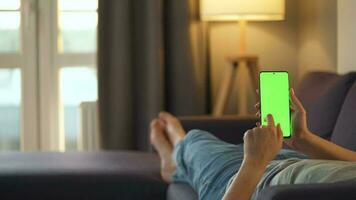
{"x":10,"y":28}
{"x":10,"y":75}
{"x":77,"y":32}
{"x":47,"y":69}
{"x":10,"y":78}
{"x":77,"y":22}
{"x":17,"y":98}
{"x":10,"y":104}
{"x":78,"y":85}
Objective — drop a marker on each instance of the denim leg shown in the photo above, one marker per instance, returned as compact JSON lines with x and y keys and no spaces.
{"x":287,"y":153}
{"x":206,"y":163}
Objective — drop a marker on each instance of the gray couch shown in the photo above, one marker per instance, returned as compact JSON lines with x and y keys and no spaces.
{"x":330,"y":101}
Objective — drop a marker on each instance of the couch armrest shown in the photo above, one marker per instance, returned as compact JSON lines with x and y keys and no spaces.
{"x":74,"y":175}
{"x":228,"y":128}
{"x":330,"y":191}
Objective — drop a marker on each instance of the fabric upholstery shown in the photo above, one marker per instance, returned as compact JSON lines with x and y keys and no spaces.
{"x":103,"y":175}
{"x":344,"y":133}
{"x":229,"y":129}
{"x":180,"y":191}
{"x":322,"y":94}
{"x":334,"y":191}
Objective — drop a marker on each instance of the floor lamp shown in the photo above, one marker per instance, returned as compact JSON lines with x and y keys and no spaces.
{"x":240,"y":11}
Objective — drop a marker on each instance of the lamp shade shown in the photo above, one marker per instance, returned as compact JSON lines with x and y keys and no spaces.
{"x":250,"y":10}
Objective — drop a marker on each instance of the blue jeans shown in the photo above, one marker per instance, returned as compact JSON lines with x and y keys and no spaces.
{"x":207,"y":163}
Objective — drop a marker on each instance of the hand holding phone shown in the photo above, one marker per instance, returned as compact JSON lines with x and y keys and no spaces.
{"x":274,"y":99}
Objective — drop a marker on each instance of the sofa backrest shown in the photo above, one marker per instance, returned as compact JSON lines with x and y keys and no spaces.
{"x":323,"y":94}
{"x":344,"y":133}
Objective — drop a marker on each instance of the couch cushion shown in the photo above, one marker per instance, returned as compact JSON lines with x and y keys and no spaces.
{"x":101,"y":175}
{"x":344,"y":133}
{"x":345,"y":190}
{"x":179,"y":191}
{"x":230,"y":129}
{"x":322,"y":94}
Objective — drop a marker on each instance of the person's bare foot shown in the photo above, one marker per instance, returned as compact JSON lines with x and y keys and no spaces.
{"x":165,"y":149}
{"x":173,"y":127}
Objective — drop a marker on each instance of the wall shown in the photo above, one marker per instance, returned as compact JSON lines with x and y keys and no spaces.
{"x":306,"y":40}
{"x":274,"y":42}
{"x":346,"y":36}
{"x":317,"y":48}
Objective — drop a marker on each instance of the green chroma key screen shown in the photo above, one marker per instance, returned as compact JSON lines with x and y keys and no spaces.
{"x":274,"y":94}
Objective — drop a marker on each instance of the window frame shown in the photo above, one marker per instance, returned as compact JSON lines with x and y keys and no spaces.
{"x":49,"y":110}
{"x":25,"y":60}
{"x":30,"y":118}
{"x":50,"y":63}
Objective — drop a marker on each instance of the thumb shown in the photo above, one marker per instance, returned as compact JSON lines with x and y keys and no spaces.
{"x":279,"y":133}
{"x":296,"y":101}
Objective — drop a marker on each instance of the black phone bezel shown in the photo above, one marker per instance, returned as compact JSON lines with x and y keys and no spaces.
{"x":259,"y":92}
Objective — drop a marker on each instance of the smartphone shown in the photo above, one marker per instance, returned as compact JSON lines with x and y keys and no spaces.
{"x":274,"y":99}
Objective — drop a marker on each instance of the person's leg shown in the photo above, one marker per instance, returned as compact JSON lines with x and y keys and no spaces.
{"x":206,"y":163}
{"x":288,"y":153}
{"x":199,"y":158}
{"x":164,"y":148}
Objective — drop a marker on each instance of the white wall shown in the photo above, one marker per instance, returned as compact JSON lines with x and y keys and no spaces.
{"x":346,"y":56}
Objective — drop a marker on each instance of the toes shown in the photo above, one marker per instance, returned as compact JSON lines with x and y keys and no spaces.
{"x":157,"y":124}
{"x":172,"y":127}
{"x":161,"y":123}
{"x":153,"y":123}
{"x":156,"y":129}
{"x":165,"y":116}
{"x":170,"y":120}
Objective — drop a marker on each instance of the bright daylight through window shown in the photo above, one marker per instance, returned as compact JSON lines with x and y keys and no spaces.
{"x":10,"y":76}
{"x":72,"y":67}
{"x":77,"y":36}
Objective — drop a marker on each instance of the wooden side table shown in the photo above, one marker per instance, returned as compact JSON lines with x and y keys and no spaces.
{"x":225,"y":91}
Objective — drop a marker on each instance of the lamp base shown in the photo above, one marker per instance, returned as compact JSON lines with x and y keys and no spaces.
{"x":225,"y":91}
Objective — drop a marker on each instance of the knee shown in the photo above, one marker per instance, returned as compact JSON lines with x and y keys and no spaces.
{"x":198,"y":135}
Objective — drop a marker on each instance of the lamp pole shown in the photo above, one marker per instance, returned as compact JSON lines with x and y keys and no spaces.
{"x":242,"y":30}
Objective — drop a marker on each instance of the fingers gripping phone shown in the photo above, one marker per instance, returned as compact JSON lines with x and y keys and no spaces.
{"x":274,"y":99}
